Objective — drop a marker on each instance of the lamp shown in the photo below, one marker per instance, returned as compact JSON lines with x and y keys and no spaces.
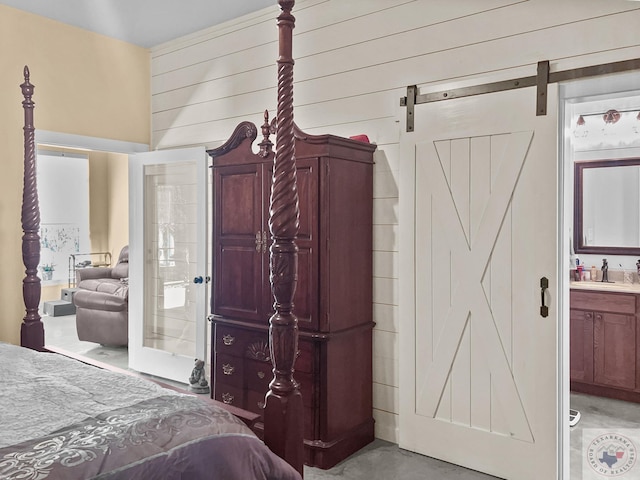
{"x":611,"y":116}
{"x":617,"y":127}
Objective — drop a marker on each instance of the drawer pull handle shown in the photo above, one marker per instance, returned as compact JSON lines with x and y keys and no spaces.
{"x":228,"y":340}
{"x":227,"y":398}
{"x":260,"y":404}
{"x":228,"y":369}
{"x":260,"y":375}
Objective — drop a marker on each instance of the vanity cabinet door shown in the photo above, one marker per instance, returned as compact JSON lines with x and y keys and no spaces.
{"x":581,"y":348}
{"x":614,"y":350}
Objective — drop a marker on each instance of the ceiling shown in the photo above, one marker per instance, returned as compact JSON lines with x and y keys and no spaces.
{"x":146,"y":23}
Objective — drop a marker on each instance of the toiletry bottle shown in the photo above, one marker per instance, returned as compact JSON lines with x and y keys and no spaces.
{"x":594,"y":273}
{"x":579,"y":269}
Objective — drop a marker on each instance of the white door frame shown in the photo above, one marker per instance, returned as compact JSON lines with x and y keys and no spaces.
{"x":572,"y":92}
{"x":57,"y":139}
{"x":142,"y":358}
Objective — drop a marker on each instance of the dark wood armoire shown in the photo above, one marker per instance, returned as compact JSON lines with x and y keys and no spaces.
{"x":333,"y":299}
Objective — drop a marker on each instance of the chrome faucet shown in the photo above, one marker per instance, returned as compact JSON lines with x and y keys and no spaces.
{"x":605,"y":271}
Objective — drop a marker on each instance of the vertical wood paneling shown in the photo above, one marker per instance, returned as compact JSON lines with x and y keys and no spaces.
{"x":427,"y":329}
{"x":480,"y":180}
{"x":461,"y":380}
{"x":480,"y":415}
{"x":443,"y":411}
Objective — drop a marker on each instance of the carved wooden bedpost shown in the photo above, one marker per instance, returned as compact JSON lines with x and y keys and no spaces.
{"x":283,"y":428}
{"x":32,"y":330}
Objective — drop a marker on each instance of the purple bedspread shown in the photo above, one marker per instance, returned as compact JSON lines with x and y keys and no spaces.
{"x":163,"y":436}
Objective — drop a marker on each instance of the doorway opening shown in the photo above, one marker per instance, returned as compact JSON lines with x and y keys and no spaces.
{"x":600,"y":139}
{"x":83,"y":192}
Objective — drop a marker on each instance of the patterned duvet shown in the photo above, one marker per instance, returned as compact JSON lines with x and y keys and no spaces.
{"x":63,"y":420}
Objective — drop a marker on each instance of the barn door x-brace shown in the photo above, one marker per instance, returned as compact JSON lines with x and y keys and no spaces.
{"x":541,"y":80}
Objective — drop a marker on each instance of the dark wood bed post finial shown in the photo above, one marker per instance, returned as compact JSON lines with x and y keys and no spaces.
{"x":32,"y":330}
{"x":283,"y":429}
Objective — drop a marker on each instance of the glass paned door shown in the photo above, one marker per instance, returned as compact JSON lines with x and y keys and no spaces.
{"x":168,"y":292}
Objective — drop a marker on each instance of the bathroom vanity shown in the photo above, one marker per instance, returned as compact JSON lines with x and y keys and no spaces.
{"x":605,"y":339}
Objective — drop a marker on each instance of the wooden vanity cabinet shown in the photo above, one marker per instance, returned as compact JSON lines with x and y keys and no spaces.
{"x":614,"y":350}
{"x":604,"y":340}
{"x":581,"y":349}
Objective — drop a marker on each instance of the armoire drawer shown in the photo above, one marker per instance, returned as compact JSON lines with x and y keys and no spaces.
{"x":241,"y":343}
{"x":255,"y":401}
{"x":255,"y":346}
{"x":258,"y":375}
{"x":229,"y":395}
{"x":304,"y":361}
{"x":230,"y":369}
{"x":305,"y":382}
{"x":255,"y":404}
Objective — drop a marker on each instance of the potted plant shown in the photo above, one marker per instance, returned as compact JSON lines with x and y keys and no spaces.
{"x":47,"y":271}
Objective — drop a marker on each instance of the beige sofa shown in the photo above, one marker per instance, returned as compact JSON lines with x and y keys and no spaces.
{"x":102,"y":302}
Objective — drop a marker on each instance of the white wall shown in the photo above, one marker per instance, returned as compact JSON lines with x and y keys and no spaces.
{"x":354,"y":59}
{"x":63,"y":191}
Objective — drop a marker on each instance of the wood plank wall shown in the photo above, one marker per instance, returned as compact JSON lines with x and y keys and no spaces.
{"x":354,"y":59}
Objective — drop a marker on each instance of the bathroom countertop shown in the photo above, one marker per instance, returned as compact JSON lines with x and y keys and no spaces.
{"x":607,"y":287}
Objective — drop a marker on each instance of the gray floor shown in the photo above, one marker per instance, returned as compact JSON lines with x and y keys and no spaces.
{"x":383,"y":460}
{"x":61,"y":332}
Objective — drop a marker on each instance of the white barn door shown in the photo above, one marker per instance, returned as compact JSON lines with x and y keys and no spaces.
{"x":478,"y":362}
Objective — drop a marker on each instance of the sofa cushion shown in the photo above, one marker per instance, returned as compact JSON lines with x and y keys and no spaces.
{"x":99,"y":301}
{"x":121,"y":270}
{"x":111,"y":286}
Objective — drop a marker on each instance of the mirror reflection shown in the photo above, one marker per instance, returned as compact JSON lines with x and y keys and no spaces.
{"x":607,"y":207}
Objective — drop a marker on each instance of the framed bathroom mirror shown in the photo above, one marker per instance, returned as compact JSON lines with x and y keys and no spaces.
{"x":607,"y":207}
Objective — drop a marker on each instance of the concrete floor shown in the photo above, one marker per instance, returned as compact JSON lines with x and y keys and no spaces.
{"x":383,"y":460}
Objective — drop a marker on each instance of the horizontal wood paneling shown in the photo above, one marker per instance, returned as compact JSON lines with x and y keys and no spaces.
{"x":386,"y":425}
{"x":353,"y":63}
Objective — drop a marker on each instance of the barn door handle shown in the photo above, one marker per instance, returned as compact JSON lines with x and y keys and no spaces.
{"x":544,"y":284}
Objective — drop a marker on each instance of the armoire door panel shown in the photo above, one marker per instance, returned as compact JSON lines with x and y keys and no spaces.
{"x":307,"y":182}
{"x":346,"y":223}
{"x":238,"y":289}
{"x":239,"y":209}
{"x":238,"y":283}
{"x":306,"y":298}
{"x":306,"y":295}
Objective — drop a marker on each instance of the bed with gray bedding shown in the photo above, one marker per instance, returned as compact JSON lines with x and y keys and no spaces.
{"x":62,"y":419}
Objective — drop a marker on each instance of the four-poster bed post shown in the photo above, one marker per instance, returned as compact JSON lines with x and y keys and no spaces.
{"x":283,"y":416}
{"x":32,"y":330}
{"x":283,"y":413}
